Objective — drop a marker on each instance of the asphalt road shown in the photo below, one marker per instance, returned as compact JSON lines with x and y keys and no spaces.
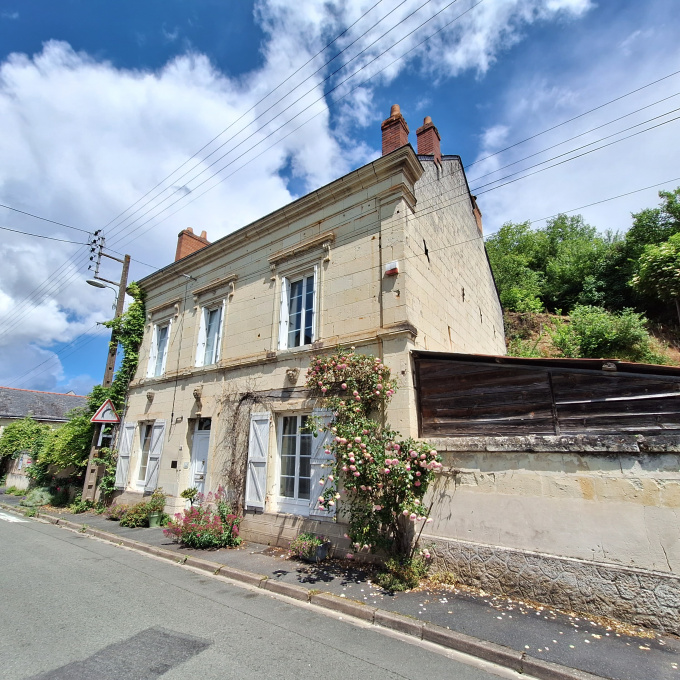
{"x":78,"y":608}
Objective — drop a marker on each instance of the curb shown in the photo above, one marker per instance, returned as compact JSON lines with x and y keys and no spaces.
{"x":429,"y":632}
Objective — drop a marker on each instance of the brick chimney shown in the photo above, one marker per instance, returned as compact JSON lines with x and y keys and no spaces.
{"x":428,"y":140}
{"x":394,"y":131}
{"x":188,"y":243}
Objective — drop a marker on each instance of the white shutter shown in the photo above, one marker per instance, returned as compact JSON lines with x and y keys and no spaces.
{"x":151,"y":368}
{"x":122,"y":468}
{"x":218,"y":337}
{"x":165,"y":349}
{"x":200,"y":345}
{"x":314,"y":302}
{"x":155,"y":450}
{"x":258,"y":448}
{"x":284,"y":313}
{"x":321,"y":464}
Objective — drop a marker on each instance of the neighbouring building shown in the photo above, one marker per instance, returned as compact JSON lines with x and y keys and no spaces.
{"x":389,"y":258}
{"x":51,"y":408}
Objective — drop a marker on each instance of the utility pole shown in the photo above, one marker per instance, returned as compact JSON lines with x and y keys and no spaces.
{"x":92,"y":470}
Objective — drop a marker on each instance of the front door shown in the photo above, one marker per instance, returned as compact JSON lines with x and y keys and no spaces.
{"x":199,"y":454}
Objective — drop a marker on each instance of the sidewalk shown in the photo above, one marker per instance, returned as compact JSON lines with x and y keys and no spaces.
{"x":543,"y":634}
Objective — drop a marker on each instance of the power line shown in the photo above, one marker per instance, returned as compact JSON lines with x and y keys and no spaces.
{"x":295,"y":116}
{"x":51,"y":238}
{"x":597,"y":127}
{"x":254,"y":106}
{"x":44,"y":219}
{"x":580,"y":115}
{"x":431,"y":250}
{"x":288,"y":107}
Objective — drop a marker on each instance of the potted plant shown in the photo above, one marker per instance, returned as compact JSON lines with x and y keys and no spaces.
{"x":156,"y":505}
{"x":310,"y":547}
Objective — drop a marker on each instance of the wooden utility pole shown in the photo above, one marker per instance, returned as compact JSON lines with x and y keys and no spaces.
{"x":92,"y":471}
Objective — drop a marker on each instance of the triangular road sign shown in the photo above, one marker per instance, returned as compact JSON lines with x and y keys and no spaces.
{"x":105,"y":414}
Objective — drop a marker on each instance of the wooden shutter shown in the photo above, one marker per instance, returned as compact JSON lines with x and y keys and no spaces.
{"x":315,"y":303}
{"x":218,"y":336}
{"x":320,"y":464}
{"x":284,"y":313}
{"x":200,"y":345}
{"x":151,"y":368}
{"x":258,"y":448}
{"x":127,"y":432}
{"x":165,"y":349}
{"x":155,"y":449}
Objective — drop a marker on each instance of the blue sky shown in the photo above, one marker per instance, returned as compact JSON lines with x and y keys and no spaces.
{"x":101,"y":101}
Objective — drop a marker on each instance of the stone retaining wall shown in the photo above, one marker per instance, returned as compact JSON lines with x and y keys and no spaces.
{"x":638,"y":596}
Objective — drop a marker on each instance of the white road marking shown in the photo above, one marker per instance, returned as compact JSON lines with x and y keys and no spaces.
{"x":11,"y":518}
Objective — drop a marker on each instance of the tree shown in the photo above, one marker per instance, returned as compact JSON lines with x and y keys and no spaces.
{"x":658,"y":272}
{"x":512,"y":250}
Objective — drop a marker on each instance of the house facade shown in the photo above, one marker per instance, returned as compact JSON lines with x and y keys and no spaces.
{"x":388,"y":259}
{"x":50,"y":408}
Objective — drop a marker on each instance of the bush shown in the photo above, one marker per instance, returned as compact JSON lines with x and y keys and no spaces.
{"x":60,"y":496}
{"x":305,"y":544}
{"x":14,"y":491}
{"x":79,"y":505}
{"x":595,"y":333}
{"x":403,"y":573}
{"x":136,"y":516}
{"x":116,"y":511}
{"x":37,"y":497}
{"x":201,"y":528}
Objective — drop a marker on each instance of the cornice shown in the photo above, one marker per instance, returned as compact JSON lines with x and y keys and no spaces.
{"x":327,"y":237}
{"x":166,"y":305}
{"x":215,"y":284}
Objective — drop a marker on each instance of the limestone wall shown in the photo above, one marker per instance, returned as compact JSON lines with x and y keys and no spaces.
{"x":450,"y":292}
{"x":587,"y":523}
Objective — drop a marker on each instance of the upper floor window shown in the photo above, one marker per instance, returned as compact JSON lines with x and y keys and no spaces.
{"x":209,"y":336}
{"x":298,"y":311}
{"x":159,"y":350}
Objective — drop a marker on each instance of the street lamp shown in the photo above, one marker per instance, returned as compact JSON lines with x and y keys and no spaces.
{"x":99,"y":284}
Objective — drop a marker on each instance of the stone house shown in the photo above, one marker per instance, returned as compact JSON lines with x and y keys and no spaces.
{"x":388,"y":258}
{"x":50,"y":408}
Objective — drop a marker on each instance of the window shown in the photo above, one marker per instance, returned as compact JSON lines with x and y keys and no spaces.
{"x":209,"y":336}
{"x":159,"y":350}
{"x":298,"y":311}
{"x":145,"y":442}
{"x":296,"y":453}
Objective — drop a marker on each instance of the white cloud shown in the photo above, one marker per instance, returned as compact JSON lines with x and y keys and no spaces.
{"x":11,"y":16}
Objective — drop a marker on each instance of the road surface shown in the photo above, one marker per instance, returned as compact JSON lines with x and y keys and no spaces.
{"x":77,"y":608}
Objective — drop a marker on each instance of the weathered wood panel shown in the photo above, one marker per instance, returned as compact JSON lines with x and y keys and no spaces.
{"x":460,"y":398}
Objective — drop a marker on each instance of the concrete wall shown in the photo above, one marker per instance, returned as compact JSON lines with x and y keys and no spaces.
{"x":587,"y":523}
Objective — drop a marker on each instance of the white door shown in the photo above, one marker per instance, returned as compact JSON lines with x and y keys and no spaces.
{"x":199,"y":454}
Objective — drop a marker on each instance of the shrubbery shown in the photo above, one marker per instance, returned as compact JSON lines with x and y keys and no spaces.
{"x":201,"y":527}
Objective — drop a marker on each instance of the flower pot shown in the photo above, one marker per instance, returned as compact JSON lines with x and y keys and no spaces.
{"x":320,"y":554}
{"x":155,"y":519}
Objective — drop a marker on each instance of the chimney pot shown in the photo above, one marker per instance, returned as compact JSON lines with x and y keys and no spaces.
{"x":394,"y":131}
{"x":427,"y":120}
{"x":204,"y":234}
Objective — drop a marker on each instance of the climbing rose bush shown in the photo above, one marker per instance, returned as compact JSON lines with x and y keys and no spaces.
{"x":380,"y":479}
